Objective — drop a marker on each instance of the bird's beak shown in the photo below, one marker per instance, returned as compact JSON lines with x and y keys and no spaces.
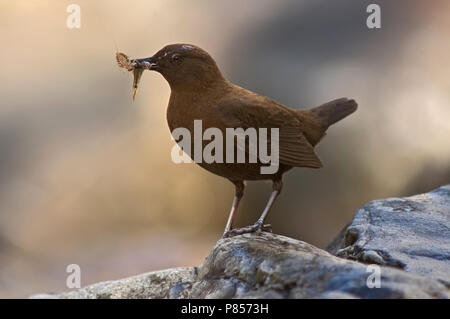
{"x":140,"y":66}
{"x":146,"y":63}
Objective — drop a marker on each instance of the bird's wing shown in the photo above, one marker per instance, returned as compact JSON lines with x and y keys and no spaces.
{"x":257,"y":111}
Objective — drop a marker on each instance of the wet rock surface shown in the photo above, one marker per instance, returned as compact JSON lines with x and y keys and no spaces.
{"x":406,"y":241}
{"x":411,"y":233}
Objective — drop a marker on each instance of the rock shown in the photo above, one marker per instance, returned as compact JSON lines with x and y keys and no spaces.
{"x":170,"y":283}
{"x":411,"y":233}
{"x":405,"y":241}
{"x":266,"y":266}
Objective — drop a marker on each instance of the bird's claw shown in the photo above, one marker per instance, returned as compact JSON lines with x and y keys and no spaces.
{"x":248,"y":229}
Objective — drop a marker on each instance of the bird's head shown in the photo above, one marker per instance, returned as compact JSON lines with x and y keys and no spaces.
{"x":183,"y":66}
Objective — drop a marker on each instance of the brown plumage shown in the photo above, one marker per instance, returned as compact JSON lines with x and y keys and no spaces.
{"x":200,"y":92}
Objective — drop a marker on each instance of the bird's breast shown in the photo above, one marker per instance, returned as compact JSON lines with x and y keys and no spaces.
{"x":183,"y":110}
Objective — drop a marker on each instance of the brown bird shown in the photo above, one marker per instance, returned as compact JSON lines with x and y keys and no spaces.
{"x":200,"y":92}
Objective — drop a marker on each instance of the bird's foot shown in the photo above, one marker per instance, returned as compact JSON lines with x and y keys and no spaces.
{"x":257,"y":227}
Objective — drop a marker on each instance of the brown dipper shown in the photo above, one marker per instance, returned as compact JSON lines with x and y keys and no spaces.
{"x":200,"y":92}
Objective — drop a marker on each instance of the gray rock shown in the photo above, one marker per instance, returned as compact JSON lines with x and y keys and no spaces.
{"x":411,"y":233}
{"x":169,"y":283}
{"x":405,"y":241}
{"x":266,"y":266}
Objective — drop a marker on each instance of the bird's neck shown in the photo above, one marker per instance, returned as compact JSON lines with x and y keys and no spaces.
{"x":185,"y":105}
{"x":201,"y":91}
{"x":206,"y":77}
{"x":210,"y":90}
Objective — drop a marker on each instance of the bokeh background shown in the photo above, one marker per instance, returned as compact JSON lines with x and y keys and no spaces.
{"x":86,"y":176}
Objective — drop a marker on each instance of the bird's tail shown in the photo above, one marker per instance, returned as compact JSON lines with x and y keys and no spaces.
{"x":334,"y":111}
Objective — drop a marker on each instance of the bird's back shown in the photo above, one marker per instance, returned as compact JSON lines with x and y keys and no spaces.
{"x":231,"y":106}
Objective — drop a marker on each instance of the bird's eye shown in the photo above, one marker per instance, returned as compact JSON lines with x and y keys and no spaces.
{"x":176,"y":57}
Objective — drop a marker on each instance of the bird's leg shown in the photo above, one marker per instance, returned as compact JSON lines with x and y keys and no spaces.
{"x":259,"y":225}
{"x":239,"y":186}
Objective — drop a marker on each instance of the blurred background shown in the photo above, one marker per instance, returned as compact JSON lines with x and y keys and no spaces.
{"x":86,"y":175}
